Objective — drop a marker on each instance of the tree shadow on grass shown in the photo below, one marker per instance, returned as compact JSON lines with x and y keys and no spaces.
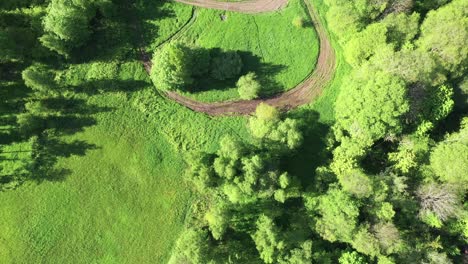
{"x":108,"y":85}
{"x":49,"y":149}
{"x":67,"y":116}
{"x":117,"y":36}
{"x":250,"y":63}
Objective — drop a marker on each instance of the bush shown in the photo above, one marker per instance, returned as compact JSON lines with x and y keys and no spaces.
{"x":298,"y":22}
{"x":171,"y":67}
{"x":248,"y":86}
{"x":226,"y":66}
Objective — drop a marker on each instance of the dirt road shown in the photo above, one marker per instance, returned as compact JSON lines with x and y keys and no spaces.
{"x":303,"y":93}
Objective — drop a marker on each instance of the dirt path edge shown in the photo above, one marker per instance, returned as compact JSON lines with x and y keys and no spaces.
{"x":303,"y":93}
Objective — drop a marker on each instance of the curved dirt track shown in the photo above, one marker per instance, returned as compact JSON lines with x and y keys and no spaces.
{"x":303,"y":93}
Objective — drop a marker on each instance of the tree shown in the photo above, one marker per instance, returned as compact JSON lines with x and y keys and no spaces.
{"x":191,"y":247}
{"x":217,"y":218}
{"x":248,"y":86}
{"x":401,"y":28}
{"x":449,"y":159}
{"x":366,"y":243}
{"x":365,"y":44}
{"x":267,"y":126}
{"x":66,"y":25}
{"x":226,"y":65}
{"x":441,"y":200}
{"x":40,"y":79}
{"x":444,"y":33}
{"x":371,"y":108}
{"x":351,"y":258}
{"x":388,"y":236}
{"x":267,"y":240}
{"x":356,"y":182}
{"x":171,"y":67}
{"x":339,"y":214}
{"x":298,"y":22}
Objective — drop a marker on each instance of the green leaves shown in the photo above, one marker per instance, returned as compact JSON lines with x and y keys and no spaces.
{"x":171,"y":67}
{"x":371,"y":108}
{"x":66,"y":25}
{"x":449,"y":159}
{"x":339,"y":214}
{"x":248,"y":86}
{"x":444,"y":33}
{"x":267,"y":126}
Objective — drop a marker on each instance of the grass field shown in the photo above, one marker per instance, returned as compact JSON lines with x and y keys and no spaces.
{"x":270,"y":45}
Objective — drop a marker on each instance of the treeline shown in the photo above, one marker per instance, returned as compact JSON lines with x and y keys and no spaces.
{"x":37,"y":40}
{"x":394,"y":189}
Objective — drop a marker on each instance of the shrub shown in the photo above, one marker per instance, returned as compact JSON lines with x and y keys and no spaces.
{"x":171,"y":67}
{"x":298,"y":22}
{"x":248,"y":86}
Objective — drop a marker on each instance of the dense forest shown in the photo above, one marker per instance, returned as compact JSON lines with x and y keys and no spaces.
{"x":387,"y":180}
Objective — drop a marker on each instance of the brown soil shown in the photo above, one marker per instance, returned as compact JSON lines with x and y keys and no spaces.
{"x":303,"y":93}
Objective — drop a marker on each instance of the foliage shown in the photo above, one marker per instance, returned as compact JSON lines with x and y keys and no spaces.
{"x":268,"y":126}
{"x":248,"y":86}
{"x":449,"y":159}
{"x":298,"y":22}
{"x":449,"y":20}
{"x":171,"y":67}
{"x":66,"y":25}
{"x":338,"y":216}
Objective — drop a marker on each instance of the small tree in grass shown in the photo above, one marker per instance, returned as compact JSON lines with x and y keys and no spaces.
{"x":248,"y":86}
{"x":171,"y":67}
{"x":298,"y":22}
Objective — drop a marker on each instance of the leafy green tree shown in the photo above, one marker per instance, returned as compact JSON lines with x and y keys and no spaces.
{"x":300,"y":255}
{"x":171,"y":67}
{"x":343,"y":20}
{"x":226,"y":65}
{"x":401,"y":28}
{"x":339,"y":214}
{"x":217,"y":218}
{"x":268,"y":239}
{"x":40,"y":79}
{"x":412,"y":150}
{"x":410,"y":65}
{"x":248,"y":86}
{"x":351,"y":258}
{"x":449,"y":159}
{"x":365,"y":242}
{"x":200,"y":61}
{"x":356,"y":182}
{"x":191,"y":247}
{"x":365,"y":44}
{"x":388,"y":236}
{"x":371,"y":108}
{"x":267,"y":125}
{"x":444,"y":33}
{"x":66,"y":25}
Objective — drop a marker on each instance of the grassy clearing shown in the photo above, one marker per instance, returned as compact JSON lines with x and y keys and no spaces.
{"x":281,"y":54}
{"x":124,"y":199}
